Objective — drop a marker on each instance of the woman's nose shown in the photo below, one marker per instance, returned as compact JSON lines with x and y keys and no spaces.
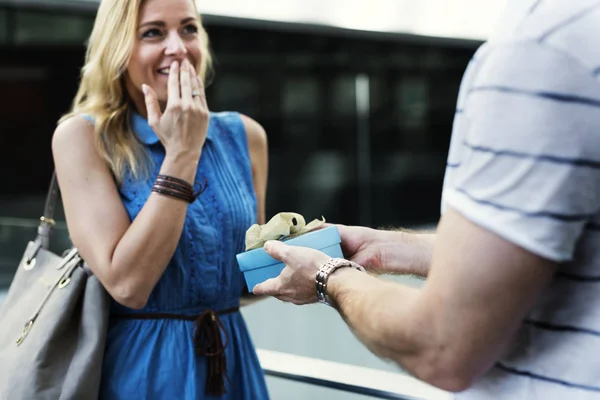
{"x":175,"y":46}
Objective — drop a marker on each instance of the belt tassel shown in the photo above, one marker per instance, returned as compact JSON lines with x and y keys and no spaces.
{"x":208,"y":343}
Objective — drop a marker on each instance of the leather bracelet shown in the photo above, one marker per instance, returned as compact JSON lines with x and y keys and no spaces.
{"x":175,"y":186}
{"x":176,"y":180}
{"x":166,"y":182}
{"x":172,"y":193}
{"x":325,"y":272}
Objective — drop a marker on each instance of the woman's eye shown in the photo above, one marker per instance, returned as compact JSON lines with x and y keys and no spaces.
{"x":150,"y":33}
{"x":190,"y":29}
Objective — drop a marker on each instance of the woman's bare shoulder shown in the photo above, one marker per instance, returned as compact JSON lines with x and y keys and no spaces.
{"x":257,"y":137}
{"x":74,"y":135}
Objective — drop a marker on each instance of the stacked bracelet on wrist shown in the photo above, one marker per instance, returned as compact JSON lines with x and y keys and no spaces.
{"x":176,"y":188}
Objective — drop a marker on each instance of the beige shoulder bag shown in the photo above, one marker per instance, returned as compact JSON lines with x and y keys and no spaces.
{"x":53,"y":323}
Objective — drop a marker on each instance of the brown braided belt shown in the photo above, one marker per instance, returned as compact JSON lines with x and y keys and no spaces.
{"x":207,"y":342}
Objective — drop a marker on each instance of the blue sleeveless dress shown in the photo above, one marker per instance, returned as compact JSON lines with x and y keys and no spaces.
{"x":155,"y":358}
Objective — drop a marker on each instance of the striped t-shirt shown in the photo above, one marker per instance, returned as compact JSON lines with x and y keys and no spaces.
{"x":524,"y":163}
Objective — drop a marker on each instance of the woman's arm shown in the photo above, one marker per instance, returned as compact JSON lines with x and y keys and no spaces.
{"x":128,"y":258}
{"x":259,"y":157}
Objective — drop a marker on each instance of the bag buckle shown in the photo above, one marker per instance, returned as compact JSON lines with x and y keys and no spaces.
{"x":25,"y":332}
{"x":46,"y":220}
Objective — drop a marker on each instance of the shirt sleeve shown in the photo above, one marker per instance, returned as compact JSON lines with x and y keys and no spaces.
{"x":528,"y":165}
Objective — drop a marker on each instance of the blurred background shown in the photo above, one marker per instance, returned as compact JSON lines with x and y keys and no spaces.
{"x":357,"y":98}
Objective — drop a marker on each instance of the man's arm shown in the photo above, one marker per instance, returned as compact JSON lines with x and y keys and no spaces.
{"x":478,"y":291}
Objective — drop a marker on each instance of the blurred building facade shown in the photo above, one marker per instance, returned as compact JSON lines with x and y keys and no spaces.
{"x":358,"y":122}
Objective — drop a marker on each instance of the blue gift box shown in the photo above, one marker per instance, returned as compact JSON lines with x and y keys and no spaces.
{"x":258,"y":266}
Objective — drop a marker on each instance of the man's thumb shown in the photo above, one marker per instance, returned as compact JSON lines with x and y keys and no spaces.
{"x":276,"y":249}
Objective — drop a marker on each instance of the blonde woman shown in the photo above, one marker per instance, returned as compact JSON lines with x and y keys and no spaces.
{"x":158,"y":193}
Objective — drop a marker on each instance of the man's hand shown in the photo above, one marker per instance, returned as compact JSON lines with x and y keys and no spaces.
{"x":387,"y":252}
{"x":297,"y":281}
{"x":365,"y":246}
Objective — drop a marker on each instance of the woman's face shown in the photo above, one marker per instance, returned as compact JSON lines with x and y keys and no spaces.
{"x":167,"y":31}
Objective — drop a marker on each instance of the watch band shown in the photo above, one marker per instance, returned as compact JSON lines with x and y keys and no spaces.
{"x":323,"y":276}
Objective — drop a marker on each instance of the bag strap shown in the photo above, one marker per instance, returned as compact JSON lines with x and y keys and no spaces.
{"x":51,"y":199}
{"x":46,"y":221}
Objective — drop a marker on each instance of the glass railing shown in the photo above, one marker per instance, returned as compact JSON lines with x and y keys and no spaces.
{"x":343,"y":380}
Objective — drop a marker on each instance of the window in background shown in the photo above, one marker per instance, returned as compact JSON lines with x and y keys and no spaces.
{"x":442,"y":103}
{"x":45,"y":28}
{"x":335,"y":168}
{"x":292,"y":165}
{"x":412,"y":111}
{"x":301,"y":109}
{"x":413,"y":102}
{"x":383,"y":121}
{"x":341,"y":120}
{"x":24,"y":88}
{"x":411,"y":107}
{"x":236,"y":92}
{"x":344,"y":96}
{"x":4,"y":26}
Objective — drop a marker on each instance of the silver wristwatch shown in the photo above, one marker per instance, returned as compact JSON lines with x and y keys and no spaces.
{"x":325,"y":271}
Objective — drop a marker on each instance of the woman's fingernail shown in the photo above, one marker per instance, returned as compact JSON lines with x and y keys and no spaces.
{"x":174,"y":65}
{"x":145,"y":89}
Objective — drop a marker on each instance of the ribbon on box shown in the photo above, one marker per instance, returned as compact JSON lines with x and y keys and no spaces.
{"x":285,"y":225}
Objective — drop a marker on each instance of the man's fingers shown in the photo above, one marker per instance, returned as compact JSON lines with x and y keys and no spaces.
{"x":152,"y":106}
{"x":270,"y":287}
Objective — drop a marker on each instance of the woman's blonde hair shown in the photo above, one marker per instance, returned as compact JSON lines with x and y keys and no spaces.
{"x":102,"y":94}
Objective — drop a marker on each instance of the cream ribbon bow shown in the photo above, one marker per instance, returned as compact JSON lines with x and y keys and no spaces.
{"x":284,"y":225}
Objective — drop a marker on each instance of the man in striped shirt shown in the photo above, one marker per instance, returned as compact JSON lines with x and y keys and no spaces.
{"x":511,"y":305}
